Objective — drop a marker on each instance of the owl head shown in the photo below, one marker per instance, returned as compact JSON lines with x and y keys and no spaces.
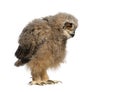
{"x":65,"y":23}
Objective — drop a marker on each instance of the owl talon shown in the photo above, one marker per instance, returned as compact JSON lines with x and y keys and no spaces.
{"x":38,"y":83}
{"x":30,"y":83}
{"x":53,"y":82}
{"x":42,"y":83}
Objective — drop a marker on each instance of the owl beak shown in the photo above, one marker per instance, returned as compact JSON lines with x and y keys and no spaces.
{"x":72,"y":35}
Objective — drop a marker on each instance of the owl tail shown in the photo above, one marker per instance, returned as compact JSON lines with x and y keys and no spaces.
{"x":18,"y":63}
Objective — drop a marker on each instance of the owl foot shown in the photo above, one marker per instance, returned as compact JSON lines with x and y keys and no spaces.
{"x":37,"y":83}
{"x":42,"y":83}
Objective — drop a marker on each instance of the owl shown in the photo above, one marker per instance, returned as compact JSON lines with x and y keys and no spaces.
{"x":42,"y":45}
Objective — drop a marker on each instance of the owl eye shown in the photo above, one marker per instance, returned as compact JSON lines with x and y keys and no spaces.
{"x":68,"y":25}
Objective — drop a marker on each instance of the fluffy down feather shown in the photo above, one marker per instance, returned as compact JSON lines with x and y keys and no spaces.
{"x":42,"y":44}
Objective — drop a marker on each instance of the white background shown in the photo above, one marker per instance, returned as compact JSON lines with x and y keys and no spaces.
{"x":93,"y":55}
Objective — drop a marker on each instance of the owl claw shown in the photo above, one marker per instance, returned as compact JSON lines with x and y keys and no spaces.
{"x":53,"y":82}
{"x":37,"y":83}
{"x":42,"y":83}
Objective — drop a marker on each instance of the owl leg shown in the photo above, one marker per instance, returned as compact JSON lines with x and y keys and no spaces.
{"x":36,"y":79}
{"x":39,"y":78}
{"x":44,"y":75}
{"x":45,"y":79}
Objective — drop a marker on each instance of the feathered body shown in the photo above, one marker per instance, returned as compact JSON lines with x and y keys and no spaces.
{"x":42,"y":44}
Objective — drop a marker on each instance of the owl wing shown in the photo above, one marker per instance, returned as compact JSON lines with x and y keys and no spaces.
{"x":24,"y":53}
{"x":31,"y":38}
